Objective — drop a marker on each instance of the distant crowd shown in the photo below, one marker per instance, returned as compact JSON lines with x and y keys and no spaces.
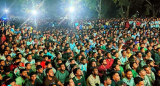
{"x":102,"y":52}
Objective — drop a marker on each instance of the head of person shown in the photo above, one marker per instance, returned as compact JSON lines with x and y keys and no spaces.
{"x":139,"y":81}
{"x":62,"y":67}
{"x":29,"y":57}
{"x":94,"y":71}
{"x":150,"y":63}
{"x":115,"y":76}
{"x":39,"y":69}
{"x":48,"y":65}
{"x":128,"y":74}
{"x":141,"y":72}
{"x":103,"y":62}
{"x":116,"y":67}
{"x":133,"y":65}
{"x":117,"y":61}
{"x":147,"y":69}
{"x":77,"y":72}
{"x":28,"y":66}
{"x":71,"y":82}
{"x":11,"y":82}
{"x":106,"y":81}
{"x":23,"y":73}
{"x":33,"y":76}
{"x":49,"y":72}
{"x":83,"y":60}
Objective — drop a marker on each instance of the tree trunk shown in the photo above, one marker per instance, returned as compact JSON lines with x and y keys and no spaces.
{"x":127,"y":12}
{"x":100,"y":9}
{"x":153,"y":12}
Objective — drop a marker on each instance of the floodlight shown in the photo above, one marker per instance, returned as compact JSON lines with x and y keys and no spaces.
{"x":6,"y":10}
{"x":34,"y":12}
{"x":71,"y":9}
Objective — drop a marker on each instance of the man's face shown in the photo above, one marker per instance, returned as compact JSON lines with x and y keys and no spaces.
{"x":116,"y":77}
{"x":148,"y":71}
{"x":28,"y":67}
{"x":117,"y":68}
{"x":129,"y":75}
{"x":95,"y":72}
{"x":2,"y":63}
{"x":24,"y":73}
{"x":63,"y":68}
{"x":50,"y":73}
{"x":49,"y":66}
{"x":142,"y":73}
{"x":40,"y":70}
{"x":104,"y":62}
{"x":108,"y":81}
{"x":29,"y":57}
{"x":33,"y":77}
{"x":94,"y":64}
{"x":79,"y":72}
{"x":71,"y":82}
{"x":135,"y":65}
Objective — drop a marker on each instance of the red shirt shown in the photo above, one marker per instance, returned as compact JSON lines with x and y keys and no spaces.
{"x":109,"y":63}
{"x":102,"y":69}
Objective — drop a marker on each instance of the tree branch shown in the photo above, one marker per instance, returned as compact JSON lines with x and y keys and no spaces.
{"x":149,"y":2}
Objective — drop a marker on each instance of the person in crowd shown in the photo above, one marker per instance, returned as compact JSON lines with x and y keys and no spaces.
{"x":79,"y":79}
{"x":62,"y":74}
{"x":50,"y":79}
{"x":93,"y":79}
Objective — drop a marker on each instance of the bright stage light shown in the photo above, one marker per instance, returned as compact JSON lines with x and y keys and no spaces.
{"x":71,"y":9}
{"x":6,"y":10}
{"x":34,"y":12}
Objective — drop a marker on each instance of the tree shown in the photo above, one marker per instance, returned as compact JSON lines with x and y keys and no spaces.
{"x":153,"y":6}
{"x":95,"y":5}
{"x":124,"y":5}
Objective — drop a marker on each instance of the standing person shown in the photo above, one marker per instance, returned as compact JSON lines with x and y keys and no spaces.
{"x":50,"y":78}
{"x":93,"y":79}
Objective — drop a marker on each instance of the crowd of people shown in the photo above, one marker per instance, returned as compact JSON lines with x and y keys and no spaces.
{"x":104,"y":52}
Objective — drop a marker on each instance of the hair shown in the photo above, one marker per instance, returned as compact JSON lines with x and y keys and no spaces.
{"x":47,"y":71}
{"x":131,"y":64}
{"x":26,"y":64}
{"x":116,"y":60}
{"x":126,"y":71}
{"x":92,"y":68}
{"x":101,"y":61}
{"x":113,"y":73}
{"x":22,"y":70}
{"x":114,"y":65}
{"x":139,"y":70}
{"x":32,"y":73}
{"x":137,"y":80}
{"x":145,"y":66}
{"x":47,"y":63}
{"x":75,"y":70}
{"x":38,"y":67}
{"x":148,"y":62}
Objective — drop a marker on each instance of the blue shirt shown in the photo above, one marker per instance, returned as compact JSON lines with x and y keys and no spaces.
{"x":72,"y":46}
